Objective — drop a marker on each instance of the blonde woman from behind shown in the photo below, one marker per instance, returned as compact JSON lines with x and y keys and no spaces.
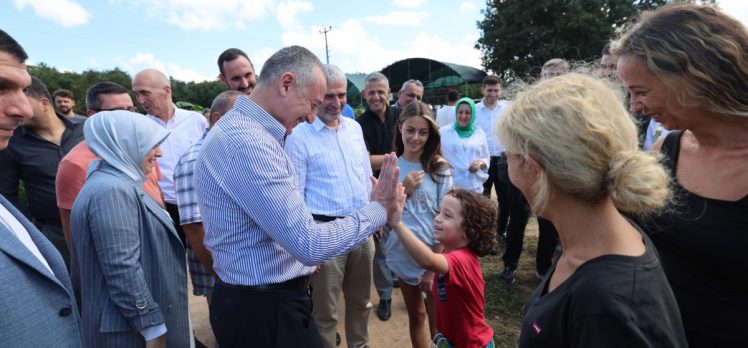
{"x":572,"y":151}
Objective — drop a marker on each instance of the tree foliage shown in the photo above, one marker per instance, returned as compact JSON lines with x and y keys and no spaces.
{"x":199,"y":94}
{"x":518,"y":36}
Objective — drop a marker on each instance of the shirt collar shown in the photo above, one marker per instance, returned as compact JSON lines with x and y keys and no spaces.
{"x":319,"y":125}
{"x":69,"y":125}
{"x":369,"y":113}
{"x":173,"y":117}
{"x":271,"y":125}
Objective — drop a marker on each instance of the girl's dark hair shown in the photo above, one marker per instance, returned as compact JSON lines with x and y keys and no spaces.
{"x":431,"y":159}
{"x":479,"y":218}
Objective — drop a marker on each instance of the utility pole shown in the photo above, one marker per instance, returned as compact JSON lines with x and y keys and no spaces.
{"x":327,"y":51}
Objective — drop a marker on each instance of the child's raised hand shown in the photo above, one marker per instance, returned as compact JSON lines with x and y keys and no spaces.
{"x":395,"y":215}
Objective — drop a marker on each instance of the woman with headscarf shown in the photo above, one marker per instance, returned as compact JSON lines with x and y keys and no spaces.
{"x":130,"y":260}
{"x":465,"y":148}
{"x":686,"y":66}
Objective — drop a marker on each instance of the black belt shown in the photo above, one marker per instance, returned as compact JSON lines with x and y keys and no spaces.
{"x":296,"y":284}
{"x":325,"y":218}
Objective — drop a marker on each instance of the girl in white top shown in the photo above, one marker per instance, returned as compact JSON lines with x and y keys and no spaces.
{"x":465,"y":148}
{"x":426,"y":178}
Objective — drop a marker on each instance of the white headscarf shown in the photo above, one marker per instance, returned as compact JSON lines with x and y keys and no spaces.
{"x":122,"y":139}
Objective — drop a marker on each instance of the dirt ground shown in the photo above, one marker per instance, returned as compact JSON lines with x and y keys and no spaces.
{"x":392,"y":333}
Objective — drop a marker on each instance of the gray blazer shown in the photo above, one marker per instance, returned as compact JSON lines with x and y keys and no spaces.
{"x":37,"y":308}
{"x":130,"y":262}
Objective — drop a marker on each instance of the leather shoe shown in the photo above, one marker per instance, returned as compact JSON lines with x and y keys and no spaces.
{"x":384,"y":311}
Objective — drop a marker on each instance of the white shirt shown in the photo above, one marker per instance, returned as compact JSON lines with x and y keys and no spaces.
{"x":655,"y":131}
{"x":186,"y":127}
{"x":486,"y":120}
{"x":332,"y":166}
{"x":445,"y":116}
{"x":461,"y":152}
{"x":15,"y":226}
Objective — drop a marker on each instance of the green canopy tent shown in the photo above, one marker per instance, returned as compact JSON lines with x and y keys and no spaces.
{"x":437,"y":77}
{"x":355,"y":88}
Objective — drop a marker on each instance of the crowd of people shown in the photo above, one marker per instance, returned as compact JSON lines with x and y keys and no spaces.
{"x":277,"y":200}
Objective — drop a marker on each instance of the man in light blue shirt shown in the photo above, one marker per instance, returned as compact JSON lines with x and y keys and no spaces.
{"x":333,"y":169}
{"x":263,"y":238}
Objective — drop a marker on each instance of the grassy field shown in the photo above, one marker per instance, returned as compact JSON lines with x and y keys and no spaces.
{"x":505,"y":303}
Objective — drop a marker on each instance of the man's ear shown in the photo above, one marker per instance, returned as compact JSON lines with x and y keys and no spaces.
{"x":214,"y":116}
{"x":167,"y":89}
{"x":285,"y":81}
{"x":46,"y":104}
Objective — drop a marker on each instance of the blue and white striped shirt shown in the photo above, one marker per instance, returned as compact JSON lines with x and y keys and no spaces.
{"x":332,"y":166}
{"x":257,"y":226}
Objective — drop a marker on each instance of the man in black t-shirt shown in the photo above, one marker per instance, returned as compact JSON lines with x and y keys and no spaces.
{"x":378,"y":125}
{"x":32,"y":156}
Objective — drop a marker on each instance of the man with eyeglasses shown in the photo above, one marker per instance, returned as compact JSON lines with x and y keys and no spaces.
{"x":71,"y":174}
{"x":32,"y":156}
{"x":412,"y":90}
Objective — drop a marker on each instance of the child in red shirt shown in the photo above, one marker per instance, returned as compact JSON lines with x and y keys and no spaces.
{"x":466,"y":227}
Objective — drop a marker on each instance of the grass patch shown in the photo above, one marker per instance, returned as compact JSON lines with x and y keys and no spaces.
{"x":505,"y":303}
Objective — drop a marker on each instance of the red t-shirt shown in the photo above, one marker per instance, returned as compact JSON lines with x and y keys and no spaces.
{"x":458,"y":297}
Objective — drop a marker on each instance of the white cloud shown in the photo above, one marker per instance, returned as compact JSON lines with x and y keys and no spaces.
{"x":736,"y":8}
{"x":141,"y":61}
{"x":207,"y":15}
{"x":200,"y":15}
{"x":351,"y":47}
{"x":287,"y":10}
{"x":437,"y":48}
{"x":66,"y":13}
{"x":260,"y":56}
{"x":400,"y":18}
{"x":467,"y":6}
{"x":409,"y":4}
{"x":354,"y":49}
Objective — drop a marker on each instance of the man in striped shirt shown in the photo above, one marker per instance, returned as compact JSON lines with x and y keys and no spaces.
{"x":333,"y":169}
{"x":200,"y":261}
{"x":264,"y":240}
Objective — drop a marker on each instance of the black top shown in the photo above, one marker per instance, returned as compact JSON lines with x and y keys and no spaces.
{"x":609,"y":301}
{"x":34,"y":160}
{"x":703,"y":245}
{"x":377,"y":134}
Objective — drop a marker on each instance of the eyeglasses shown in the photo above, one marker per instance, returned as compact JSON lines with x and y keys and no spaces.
{"x":128,"y":108}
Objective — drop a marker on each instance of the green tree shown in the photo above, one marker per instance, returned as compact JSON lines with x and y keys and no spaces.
{"x":200,"y":95}
{"x":519,"y":36}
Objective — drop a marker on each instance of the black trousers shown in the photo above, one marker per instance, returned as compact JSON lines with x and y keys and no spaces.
{"x":498,"y":178}
{"x":263,"y":319}
{"x":547,"y":241}
{"x":173,"y":210}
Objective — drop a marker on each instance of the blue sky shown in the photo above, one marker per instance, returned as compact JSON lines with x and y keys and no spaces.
{"x":183,"y":38}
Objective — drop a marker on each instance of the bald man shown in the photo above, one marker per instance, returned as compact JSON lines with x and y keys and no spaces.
{"x":153,"y":91}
